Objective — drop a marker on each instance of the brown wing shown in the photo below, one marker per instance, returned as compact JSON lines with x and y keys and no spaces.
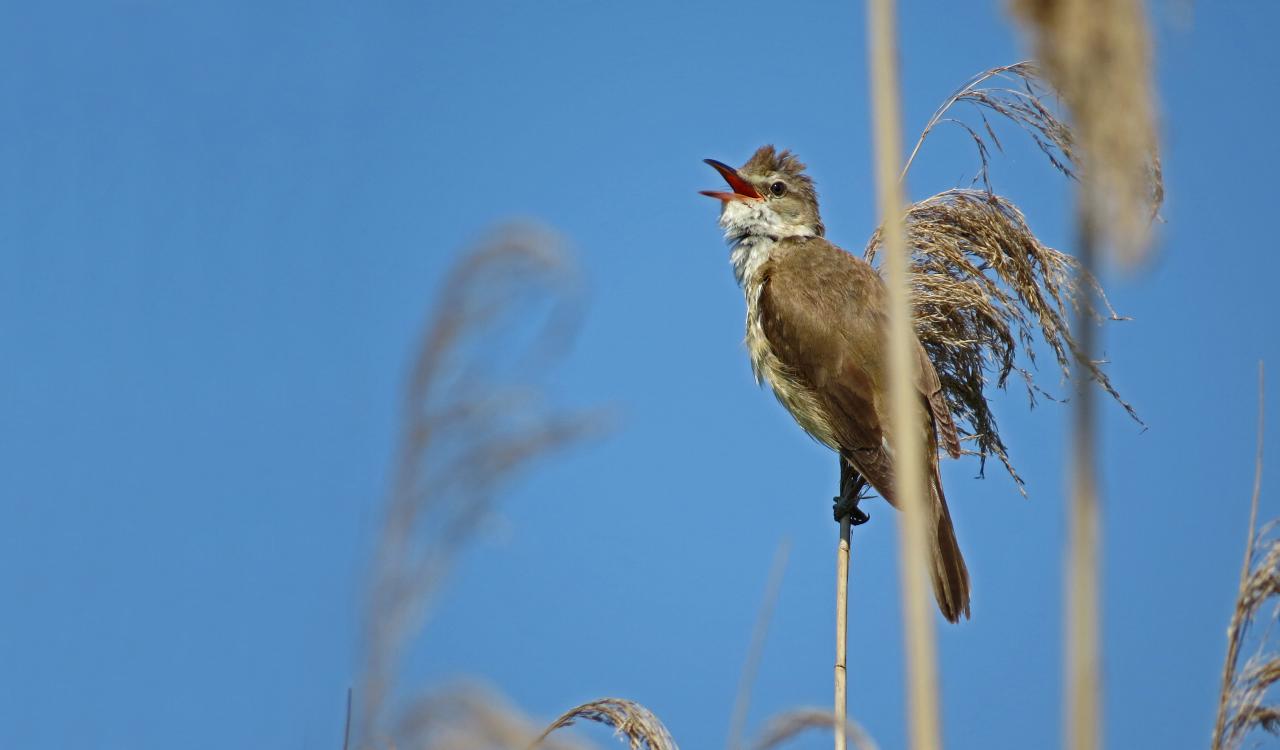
{"x":820,"y":311}
{"x":823,"y":313}
{"x":931,"y":387}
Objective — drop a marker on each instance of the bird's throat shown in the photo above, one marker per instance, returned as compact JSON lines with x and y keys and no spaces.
{"x":749,"y":252}
{"x":753,"y":230}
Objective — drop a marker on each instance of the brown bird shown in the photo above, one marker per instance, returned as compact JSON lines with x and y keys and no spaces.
{"x":817,"y":327}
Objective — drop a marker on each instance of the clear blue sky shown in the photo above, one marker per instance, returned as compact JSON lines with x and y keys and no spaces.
{"x":221,"y":223}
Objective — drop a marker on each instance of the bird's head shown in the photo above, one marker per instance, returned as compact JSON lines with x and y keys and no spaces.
{"x":771,"y":196}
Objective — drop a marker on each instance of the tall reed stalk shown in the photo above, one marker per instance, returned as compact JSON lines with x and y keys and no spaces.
{"x":1084,"y":660}
{"x":1097,"y":55}
{"x":909,"y":456}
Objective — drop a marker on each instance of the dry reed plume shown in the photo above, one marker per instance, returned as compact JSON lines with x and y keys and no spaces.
{"x":642,"y":730}
{"x":986,"y":289}
{"x":1242,"y":701}
{"x":1016,"y":93}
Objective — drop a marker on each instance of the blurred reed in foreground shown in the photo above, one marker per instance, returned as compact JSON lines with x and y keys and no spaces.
{"x":1096,"y":54}
{"x":908,"y":452}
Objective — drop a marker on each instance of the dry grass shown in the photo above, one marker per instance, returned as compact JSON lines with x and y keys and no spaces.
{"x":630,"y":720}
{"x":1242,"y":706}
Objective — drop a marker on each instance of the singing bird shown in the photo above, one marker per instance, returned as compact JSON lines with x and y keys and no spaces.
{"x":817,"y":323}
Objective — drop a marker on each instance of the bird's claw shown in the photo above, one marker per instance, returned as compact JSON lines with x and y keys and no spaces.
{"x":848,"y":506}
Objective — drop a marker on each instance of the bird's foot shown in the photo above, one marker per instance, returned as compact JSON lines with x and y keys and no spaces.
{"x":847,"y":505}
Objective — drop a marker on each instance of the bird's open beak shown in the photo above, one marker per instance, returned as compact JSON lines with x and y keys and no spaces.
{"x":742,"y":190}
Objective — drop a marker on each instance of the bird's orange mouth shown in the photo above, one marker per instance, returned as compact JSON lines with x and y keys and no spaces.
{"x":742,"y":190}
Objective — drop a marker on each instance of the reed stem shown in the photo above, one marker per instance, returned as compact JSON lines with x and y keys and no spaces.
{"x":842,"y":632}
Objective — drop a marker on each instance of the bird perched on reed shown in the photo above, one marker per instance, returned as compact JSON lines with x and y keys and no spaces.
{"x":817,"y":327}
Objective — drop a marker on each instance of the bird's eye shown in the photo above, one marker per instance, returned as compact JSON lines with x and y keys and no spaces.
{"x":778,"y":188}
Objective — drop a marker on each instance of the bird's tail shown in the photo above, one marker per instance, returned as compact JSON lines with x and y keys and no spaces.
{"x":949,"y":574}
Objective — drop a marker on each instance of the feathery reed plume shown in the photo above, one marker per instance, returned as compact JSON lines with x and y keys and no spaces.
{"x":1241,"y":701}
{"x":986,"y":289}
{"x":787,"y":726}
{"x":629,"y":719}
{"x":1243,"y":706}
{"x":474,"y":416}
{"x":1016,"y":93}
{"x":909,"y":452}
{"x":1097,"y":55}
{"x":751,"y":664}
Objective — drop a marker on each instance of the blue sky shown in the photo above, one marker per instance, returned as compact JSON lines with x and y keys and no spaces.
{"x":220,"y":227}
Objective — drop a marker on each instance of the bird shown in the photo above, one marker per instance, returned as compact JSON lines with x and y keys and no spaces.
{"x":817,"y":332}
